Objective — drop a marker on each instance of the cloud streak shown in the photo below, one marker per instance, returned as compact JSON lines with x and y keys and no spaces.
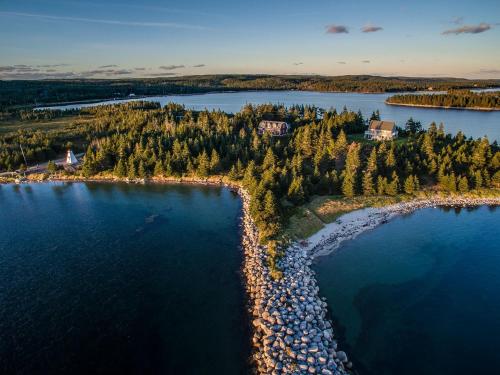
{"x":469,"y":29}
{"x":171,"y":67}
{"x":104,"y":21}
{"x":199,"y":66}
{"x":337,"y":29}
{"x":371,"y":29}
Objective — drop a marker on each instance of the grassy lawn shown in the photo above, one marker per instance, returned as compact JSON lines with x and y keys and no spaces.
{"x":311,"y":217}
{"x":13,"y":125}
{"x":360,"y":138}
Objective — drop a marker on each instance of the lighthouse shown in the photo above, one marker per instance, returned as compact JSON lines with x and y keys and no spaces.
{"x":70,"y":158}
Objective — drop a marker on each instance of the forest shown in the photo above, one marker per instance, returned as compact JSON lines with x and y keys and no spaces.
{"x":138,"y":140}
{"x":32,"y":93}
{"x":453,"y":98}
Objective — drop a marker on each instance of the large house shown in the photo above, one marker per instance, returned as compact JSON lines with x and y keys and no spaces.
{"x":381,"y":130}
{"x":275,"y":128}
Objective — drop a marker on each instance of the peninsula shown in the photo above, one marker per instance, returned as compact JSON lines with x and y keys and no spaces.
{"x":455,"y":99}
{"x":293,"y":181}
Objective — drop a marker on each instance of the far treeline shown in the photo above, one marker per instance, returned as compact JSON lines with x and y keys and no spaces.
{"x":31,"y":93}
{"x":140,"y":140}
{"x":454,"y":99}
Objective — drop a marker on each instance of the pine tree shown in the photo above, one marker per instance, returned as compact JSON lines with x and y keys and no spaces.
{"x":120,"y":168}
{"x":393,"y":186}
{"x":381,"y":185}
{"x":478,"y":179}
{"x":214,"y":162}
{"x":370,"y":172}
{"x":51,"y":167}
{"x":349,"y":183}
{"x":89,"y":164}
{"x":463,"y":185}
{"x":203,"y":164}
{"x":158,"y":170}
{"x":409,"y":185}
{"x":296,"y":190}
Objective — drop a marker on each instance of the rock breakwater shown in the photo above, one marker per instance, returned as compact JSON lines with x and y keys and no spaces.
{"x":291,"y":333}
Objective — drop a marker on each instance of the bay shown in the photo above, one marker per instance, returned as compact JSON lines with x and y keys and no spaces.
{"x":120,"y":279}
{"x":419,"y":295}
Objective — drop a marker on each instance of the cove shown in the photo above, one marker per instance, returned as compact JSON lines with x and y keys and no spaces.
{"x":121,"y":279}
{"x":419,"y":295}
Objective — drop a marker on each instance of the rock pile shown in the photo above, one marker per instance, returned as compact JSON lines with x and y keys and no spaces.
{"x":291,"y":334}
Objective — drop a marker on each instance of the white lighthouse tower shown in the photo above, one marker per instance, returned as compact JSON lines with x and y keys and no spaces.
{"x":70,"y":158}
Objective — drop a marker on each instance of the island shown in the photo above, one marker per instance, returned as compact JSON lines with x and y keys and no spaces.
{"x":456,"y":99}
{"x":300,"y":170}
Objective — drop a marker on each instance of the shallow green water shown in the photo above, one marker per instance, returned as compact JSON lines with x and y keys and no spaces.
{"x":120,"y":279}
{"x":420,"y":294}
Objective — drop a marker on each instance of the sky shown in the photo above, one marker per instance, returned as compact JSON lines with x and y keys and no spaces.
{"x":152,"y":38}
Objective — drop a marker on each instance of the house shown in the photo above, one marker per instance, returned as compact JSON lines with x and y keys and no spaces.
{"x":275,"y":128}
{"x":381,"y":130}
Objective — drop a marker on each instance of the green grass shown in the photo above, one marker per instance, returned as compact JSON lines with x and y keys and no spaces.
{"x":13,"y":125}
{"x":306,"y":220}
{"x":360,"y":138}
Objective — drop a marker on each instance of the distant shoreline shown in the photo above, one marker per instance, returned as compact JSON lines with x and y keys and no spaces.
{"x":481,"y":109}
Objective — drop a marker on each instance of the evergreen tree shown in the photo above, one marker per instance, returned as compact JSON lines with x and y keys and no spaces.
{"x":349,"y":183}
{"x":463,"y":185}
{"x":203,"y":164}
{"x":51,"y":167}
{"x":370,"y":173}
{"x":296,"y":190}
{"x":120,"y":168}
{"x":214,"y":162}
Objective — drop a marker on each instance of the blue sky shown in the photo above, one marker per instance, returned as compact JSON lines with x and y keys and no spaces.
{"x":123,"y":38}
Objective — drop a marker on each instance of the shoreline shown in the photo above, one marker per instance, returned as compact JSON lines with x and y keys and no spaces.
{"x":480,"y":109}
{"x":290,"y":329}
{"x":352,"y":224}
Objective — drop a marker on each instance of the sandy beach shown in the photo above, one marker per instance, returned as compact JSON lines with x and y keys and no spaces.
{"x":352,"y":224}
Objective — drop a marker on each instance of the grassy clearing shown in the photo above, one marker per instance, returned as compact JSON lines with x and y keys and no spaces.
{"x":306,"y":220}
{"x":360,"y":138}
{"x":13,"y":125}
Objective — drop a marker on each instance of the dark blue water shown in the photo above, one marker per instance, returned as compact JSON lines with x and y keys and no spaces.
{"x":120,"y":279}
{"x":421,"y":294}
{"x":472,"y":123}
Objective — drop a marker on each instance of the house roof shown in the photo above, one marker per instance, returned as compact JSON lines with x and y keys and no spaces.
{"x":382,"y":125}
{"x":271,"y":122}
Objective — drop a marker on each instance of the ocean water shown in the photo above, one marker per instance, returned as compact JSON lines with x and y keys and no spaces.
{"x":472,"y":123}
{"x":120,"y":279}
{"x":420,"y":294}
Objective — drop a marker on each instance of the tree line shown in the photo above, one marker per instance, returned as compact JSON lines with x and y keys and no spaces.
{"x":22,"y":93}
{"x":457,"y":99}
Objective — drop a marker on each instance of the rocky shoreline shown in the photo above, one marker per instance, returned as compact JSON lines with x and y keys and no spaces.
{"x":352,"y":224}
{"x":291,"y":333}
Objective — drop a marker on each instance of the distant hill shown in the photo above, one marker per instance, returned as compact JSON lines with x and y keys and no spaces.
{"x":31,"y":92}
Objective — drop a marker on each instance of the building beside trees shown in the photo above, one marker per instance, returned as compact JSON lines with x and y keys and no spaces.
{"x":381,"y":130}
{"x":275,"y":128}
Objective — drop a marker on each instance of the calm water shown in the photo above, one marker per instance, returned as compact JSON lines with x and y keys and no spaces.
{"x":472,"y":123}
{"x":420,"y":295}
{"x":120,"y":279}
